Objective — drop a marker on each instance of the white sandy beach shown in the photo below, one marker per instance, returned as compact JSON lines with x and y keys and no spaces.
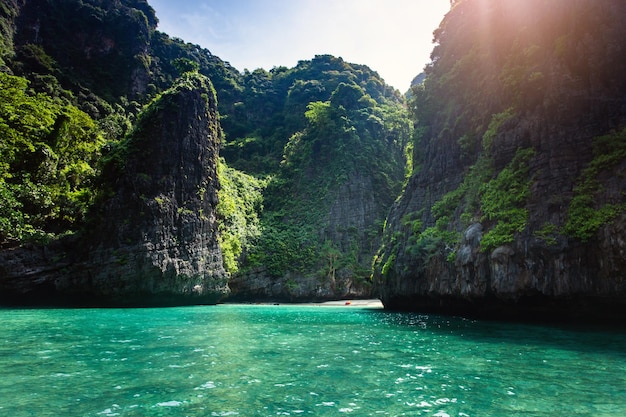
{"x":374,"y":303}
{"x":369,"y":303}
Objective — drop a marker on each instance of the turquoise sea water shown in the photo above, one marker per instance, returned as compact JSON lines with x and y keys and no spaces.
{"x":250,"y":360}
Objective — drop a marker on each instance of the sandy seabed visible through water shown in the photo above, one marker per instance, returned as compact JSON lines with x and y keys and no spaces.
{"x":319,"y":359}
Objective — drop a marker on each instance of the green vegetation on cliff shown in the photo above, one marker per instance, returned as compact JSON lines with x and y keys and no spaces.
{"x":272,"y":106}
{"x":239,"y":206}
{"x":336,"y":137}
{"x":478,"y":87}
{"x":48,"y":156}
{"x":518,"y":153}
{"x":503,"y":201}
{"x":312,"y":156}
{"x":588,"y":211}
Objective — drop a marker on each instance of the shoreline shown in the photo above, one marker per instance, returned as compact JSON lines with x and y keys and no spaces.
{"x":370,"y":303}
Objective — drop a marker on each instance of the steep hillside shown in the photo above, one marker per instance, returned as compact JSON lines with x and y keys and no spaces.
{"x":89,"y":214}
{"x":77,"y":74}
{"x":516,"y":206}
{"x":332,"y":137}
{"x":107,"y":54}
{"x":152,"y":238}
{"x":313,"y":157}
{"x":273,"y":103}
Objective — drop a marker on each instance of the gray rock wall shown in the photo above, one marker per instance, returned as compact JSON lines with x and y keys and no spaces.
{"x":543,"y":272}
{"x":154,"y":242}
{"x":562,"y":277}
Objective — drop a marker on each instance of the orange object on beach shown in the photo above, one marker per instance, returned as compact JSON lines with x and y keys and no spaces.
{"x":348,"y":303}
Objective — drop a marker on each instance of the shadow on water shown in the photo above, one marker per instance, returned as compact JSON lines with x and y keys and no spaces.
{"x":583,"y":337}
{"x":609,"y":338}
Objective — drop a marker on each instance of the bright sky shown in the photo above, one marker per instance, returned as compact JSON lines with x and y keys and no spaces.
{"x":392,"y":37}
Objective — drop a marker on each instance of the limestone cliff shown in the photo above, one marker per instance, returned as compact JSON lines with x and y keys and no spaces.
{"x":154,"y":240}
{"x":516,"y":207}
{"x":320,"y":225}
{"x":325,"y":206}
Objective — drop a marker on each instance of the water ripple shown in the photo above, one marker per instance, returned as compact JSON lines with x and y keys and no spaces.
{"x":284,"y":360}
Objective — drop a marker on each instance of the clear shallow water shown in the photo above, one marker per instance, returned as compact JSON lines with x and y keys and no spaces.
{"x":245,"y":360}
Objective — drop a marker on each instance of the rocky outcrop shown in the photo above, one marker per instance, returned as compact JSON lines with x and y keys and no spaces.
{"x":525,"y":280}
{"x":561,"y":107}
{"x":154,"y":241}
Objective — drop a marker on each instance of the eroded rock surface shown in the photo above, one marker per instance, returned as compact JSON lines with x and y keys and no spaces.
{"x":154,"y":241}
{"x":561,"y":262}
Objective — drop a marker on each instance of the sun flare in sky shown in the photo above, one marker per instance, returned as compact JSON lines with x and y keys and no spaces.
{"x":392,"y":37}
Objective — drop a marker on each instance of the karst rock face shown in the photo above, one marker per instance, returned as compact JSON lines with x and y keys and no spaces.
{"x":536,"y":129}
{"x":154,"y":240}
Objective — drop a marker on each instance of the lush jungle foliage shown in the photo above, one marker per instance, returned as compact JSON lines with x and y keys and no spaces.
{"x":320,"y":124}
{"x":48,"y":152}
{"x":75,"y":75}
{"x":239,"y":206}
{"x":273,"y":104}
